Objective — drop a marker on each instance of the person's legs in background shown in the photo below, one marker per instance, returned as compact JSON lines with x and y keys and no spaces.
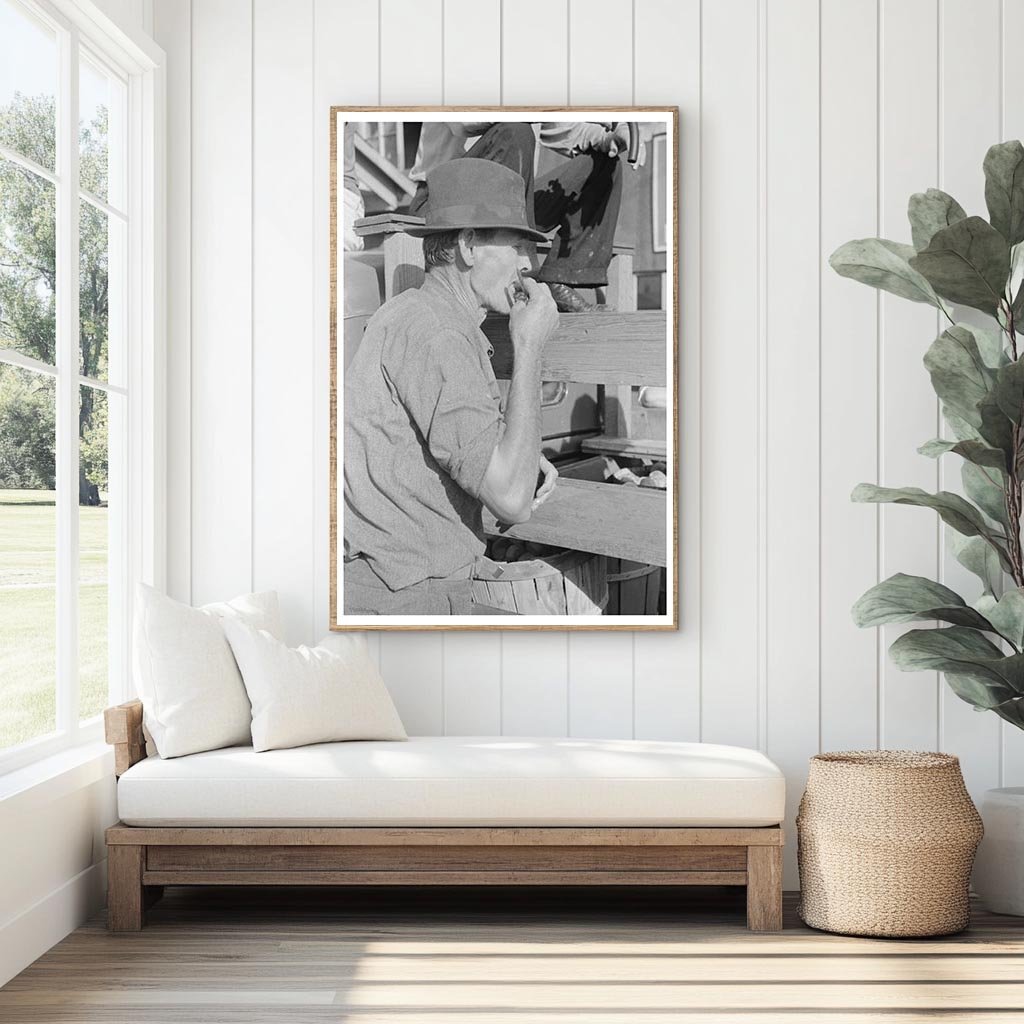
{"x":510,"y":143}
{"x":581,"y":198}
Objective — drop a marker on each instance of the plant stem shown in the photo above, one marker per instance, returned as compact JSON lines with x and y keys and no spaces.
{"x":1012,"y":497}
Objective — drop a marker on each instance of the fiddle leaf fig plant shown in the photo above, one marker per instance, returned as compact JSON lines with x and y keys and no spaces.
{"x":978,"y":375}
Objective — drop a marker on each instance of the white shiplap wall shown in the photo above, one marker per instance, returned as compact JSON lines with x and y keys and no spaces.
{"x":804,"y":123}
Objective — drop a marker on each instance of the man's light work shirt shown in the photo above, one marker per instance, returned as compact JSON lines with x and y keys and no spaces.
{"x":422,"y":414}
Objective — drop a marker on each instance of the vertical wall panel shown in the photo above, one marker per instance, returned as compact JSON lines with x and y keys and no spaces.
{"x":849,"y":373}
{"x":411,"y":49}
{"x":1012,"y":127}
{"x":667,"y":668}
{"x":472,"y":684}
{"x":535,"y":699}
{"x":909,"y":414}
{"x":600,"y":685}
{"x":350,"y":30}
{"x":221,"y":377}
{"x":534,"y":53}
{"x":131,"y":15}
{"x":601,"y":52}
{"x":411,"y":59}
{"x":283,"y":308}
{"x":472,"y":52}
{"x":472,"y":661}
{"x":535,"y":682}
{"x":729,"y":360}
{"x":173,"y":30}
{"x":792,"y":385}
{"x":969,"y":124}
{"x":601,"y":688}
{"x":412,"y":665}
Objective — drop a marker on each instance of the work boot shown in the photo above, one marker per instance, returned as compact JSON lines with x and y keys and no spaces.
{"x":568,"y":300}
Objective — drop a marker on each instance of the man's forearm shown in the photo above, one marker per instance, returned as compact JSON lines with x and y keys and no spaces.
{"x":511,"y":477}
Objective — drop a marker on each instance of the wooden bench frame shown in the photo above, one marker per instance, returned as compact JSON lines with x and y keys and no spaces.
{"x":142,"y":860}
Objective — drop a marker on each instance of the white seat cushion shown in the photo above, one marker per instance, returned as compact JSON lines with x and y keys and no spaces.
{"x":459,"y":780}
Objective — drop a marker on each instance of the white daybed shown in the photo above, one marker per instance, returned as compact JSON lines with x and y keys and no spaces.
{"x":445,"y":811}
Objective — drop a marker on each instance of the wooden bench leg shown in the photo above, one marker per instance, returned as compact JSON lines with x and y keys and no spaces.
{"x":125,"y":897}
{"x":764,"y":888}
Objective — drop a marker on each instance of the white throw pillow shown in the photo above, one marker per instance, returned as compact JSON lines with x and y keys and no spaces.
{"x":192,"y":693}
{"x":309,"y":694}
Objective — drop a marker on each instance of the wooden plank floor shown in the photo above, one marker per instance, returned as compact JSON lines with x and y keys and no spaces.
{"x":219,"y":956}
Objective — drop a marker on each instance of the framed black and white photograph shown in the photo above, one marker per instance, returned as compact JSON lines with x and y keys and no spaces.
{"x":504,"y":347}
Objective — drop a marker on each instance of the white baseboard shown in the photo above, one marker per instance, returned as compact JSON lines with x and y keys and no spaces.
{"x":28,"y":936}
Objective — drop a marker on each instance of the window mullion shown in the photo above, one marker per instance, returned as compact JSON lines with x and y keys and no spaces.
{"x":67,"y":386}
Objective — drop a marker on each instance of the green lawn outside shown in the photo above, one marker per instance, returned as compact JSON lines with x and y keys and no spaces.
{"x":28,"y":616}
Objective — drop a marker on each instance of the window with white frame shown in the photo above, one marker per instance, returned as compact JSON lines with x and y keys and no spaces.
{"x":68,"y":377}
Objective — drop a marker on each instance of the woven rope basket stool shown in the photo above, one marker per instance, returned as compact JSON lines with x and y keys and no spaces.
{"x":886,"y":840}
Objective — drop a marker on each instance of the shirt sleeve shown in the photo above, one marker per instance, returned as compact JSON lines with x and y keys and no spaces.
{"x":439,"y":379}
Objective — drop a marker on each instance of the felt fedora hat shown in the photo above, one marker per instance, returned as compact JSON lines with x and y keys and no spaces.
{"x":471,"y":193}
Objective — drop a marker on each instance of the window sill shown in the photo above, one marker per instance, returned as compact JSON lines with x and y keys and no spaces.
{"x":55,"y":776}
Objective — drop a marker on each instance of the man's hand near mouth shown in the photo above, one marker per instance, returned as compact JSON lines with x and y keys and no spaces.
{"x":511,"y":477}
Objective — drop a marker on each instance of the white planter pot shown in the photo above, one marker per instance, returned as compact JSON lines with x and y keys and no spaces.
{"x":999,"y":866}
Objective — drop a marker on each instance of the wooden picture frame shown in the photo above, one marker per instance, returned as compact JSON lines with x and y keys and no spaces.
{"x":602,"y":552}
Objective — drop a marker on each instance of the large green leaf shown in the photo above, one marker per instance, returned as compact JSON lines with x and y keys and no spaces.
{"x":990,"y":345}
{"x":983,"y":694}
{"x":986,"y":488}
{"x":1011,"y":711}
{"x":1015,"y":286}
{"x":996,"y":428}
{"x":962,"y":430}
{"x":883,"y":264}
{"x":976,"y":555}
{"x":1009,"y":390}
{"x":958,"y":372}
{"x":964,"y":652}
{"x":903,"y":598}
{"x":967,"y":263}
{"x":1004,"y":189}
{"x":929,"y":212}
{"x":976,"y":452}
{"x":1006,"y":614}
{"x":954,"y":510}
{"x":1017,"y":309}
{"x":1016,"y":280}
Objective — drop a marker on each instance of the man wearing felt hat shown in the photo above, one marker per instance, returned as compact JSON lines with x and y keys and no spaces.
{"x":427,"y":443}
{"x":578,"y":199}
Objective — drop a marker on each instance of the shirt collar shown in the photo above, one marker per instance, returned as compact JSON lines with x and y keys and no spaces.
{"x":436,"y":288}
